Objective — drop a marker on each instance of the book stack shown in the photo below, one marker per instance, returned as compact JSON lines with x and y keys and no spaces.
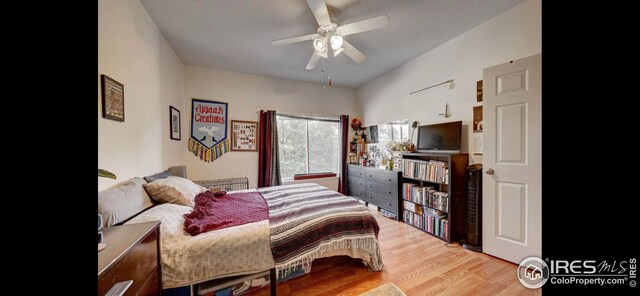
{"x":432,"y":170}
{"x":434,"y":222}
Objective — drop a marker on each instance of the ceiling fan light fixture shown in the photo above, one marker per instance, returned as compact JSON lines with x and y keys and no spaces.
{"x":320,"y":44}
{"x":336,"y":42}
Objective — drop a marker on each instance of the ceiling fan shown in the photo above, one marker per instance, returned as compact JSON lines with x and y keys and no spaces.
{"x":330,"y":35}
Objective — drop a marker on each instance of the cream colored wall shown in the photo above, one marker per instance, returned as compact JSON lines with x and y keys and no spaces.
{"x":511,"y":35}
{"x":246,"y":95}
{"x":132,"y":51}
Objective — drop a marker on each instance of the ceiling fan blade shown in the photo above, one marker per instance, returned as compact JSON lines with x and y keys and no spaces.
{"x":313,"y":61}
{"x":370,"y":24}
{"x":319,"y":9}
{"x":295,"y":39}
{"x":353,"y":52}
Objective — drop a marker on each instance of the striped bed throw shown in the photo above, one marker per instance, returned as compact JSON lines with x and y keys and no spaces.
{"x":309,"y":221}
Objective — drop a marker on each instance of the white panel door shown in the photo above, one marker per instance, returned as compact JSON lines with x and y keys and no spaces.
{"x":512,"y":200}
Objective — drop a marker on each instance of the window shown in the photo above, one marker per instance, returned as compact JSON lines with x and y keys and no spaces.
{"x":308,"y":144}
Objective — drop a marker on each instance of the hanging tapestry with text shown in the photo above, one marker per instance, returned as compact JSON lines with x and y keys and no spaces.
{"x":208,"y":139}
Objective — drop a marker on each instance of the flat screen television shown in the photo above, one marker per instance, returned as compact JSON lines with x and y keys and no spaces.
{"x":442,"y":136}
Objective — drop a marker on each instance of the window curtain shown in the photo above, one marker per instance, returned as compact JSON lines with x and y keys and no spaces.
{"x":344,"y":146}
{"x":268,"y":160}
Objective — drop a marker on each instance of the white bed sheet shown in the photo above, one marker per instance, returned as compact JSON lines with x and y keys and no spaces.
{"x":187,"y":259}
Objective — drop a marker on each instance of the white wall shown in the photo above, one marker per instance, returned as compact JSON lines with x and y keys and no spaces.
{"x":511,"y":35}
{"x":132,"y":50}
{"x":246,"y":95}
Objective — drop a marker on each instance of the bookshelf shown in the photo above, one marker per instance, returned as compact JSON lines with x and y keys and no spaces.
{"x":433,"y":193}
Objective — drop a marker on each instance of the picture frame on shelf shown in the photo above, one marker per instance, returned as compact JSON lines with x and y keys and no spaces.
{"x":175,"y":130}
{"x":244,"y":135}
{"x":112,"y":99}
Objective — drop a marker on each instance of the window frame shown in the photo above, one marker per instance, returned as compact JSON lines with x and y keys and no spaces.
{"x":307,"y":118}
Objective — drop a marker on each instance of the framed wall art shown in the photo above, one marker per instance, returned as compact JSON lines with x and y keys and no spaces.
{"x":174,"y":123}
{"x":477,"y":119}
{"x":244,"y":135}
{"x":112,"y":99}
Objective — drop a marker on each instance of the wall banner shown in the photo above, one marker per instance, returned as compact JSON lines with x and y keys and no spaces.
{"x":208,"y":138}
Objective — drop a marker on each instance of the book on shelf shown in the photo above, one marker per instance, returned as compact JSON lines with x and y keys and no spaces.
{"x":414,"y":219}
{"x":432,"y":170}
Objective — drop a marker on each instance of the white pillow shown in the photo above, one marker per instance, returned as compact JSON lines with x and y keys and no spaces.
{"x":174,"y":190}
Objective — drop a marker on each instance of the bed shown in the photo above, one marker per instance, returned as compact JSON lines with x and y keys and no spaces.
{"x":305,"y":222}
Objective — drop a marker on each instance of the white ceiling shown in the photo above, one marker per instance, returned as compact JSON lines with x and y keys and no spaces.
{"x":234,"y":35}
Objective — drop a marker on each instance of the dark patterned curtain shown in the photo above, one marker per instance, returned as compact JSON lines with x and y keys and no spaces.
{"x":268,"y":160}
{"x":344,"y":147}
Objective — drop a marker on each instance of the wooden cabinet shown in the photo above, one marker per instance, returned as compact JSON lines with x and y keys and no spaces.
{"x":132,"y":254}
{"x":376,"y":186}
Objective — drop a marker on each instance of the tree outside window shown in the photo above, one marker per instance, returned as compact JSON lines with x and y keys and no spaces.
{"x":307,"y":144}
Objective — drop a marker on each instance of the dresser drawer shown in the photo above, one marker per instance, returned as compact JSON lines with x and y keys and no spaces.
{"x":383,"y":202}
{"x":381,"y":177}
{"x":356,"y":187}
{"x":389,"y":191}
{"x":140,"y":264}
{"x":356,"y":171}
{"x":150,"y":288}
{"x":355,"y":183}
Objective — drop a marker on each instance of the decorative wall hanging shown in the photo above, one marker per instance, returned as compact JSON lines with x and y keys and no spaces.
{"x":112,"y":99}
{"x":174,"y":123}
{"x":477,"y":119}
{"x":208,"y":138}
{"x":479,"y":91}
{"x":244,"y":135}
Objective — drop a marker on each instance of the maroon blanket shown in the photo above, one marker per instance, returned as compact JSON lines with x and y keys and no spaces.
{"x":212,"y":213}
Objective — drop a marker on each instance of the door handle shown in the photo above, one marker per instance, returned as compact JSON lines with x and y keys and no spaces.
{"x":490,"y":172}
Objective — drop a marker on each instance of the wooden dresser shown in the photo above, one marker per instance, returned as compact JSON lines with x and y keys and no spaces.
{"x":132,"y":254}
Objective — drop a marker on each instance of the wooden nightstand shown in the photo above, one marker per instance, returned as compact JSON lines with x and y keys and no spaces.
{"x":132,"y":254}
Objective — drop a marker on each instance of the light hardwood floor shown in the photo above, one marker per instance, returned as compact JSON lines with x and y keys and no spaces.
{"x":416,"y":262}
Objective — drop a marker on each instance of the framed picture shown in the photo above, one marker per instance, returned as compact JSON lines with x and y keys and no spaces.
{"x":174,"y":126}
{"x":477,"y":119}
{"x":244,"y":135}
{"x":479,"y":91}
{"x":112,"y":99}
